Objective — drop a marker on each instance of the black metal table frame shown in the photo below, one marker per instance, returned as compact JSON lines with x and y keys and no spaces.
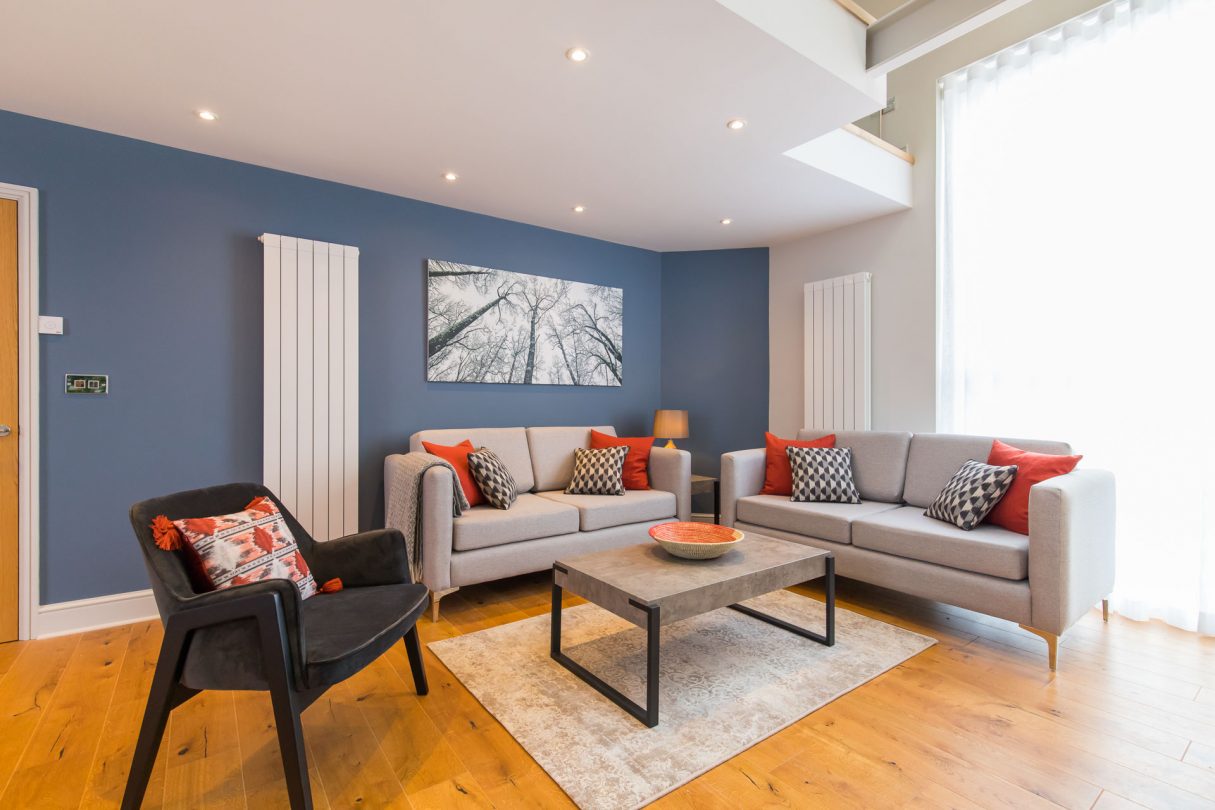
{"x":648,"y":714}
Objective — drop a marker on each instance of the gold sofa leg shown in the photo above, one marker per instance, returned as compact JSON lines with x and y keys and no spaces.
{"x":1105,"y":610}
{"x":1052,"y":644}
{"x":435,"y":596}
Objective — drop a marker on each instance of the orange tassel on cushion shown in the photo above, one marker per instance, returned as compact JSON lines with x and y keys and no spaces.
{"x":332,"y":586}
{"x":166,"y":535}
{"x":261,"y":504}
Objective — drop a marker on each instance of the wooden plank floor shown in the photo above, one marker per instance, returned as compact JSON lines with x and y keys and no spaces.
{"x":976,"y":721}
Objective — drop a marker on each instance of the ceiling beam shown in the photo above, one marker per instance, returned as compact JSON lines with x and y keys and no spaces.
{"x":920,"y":26}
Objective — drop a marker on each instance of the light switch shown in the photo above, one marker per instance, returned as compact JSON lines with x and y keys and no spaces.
{"x":50,"y":325}
{"x":86,"y":383}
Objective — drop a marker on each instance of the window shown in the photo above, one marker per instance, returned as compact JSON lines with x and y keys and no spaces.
{"x":1077,"y":274}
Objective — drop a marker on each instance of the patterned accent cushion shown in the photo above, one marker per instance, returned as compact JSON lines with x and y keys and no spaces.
{"x":974,"y":490}
{"x":598,"y":472}
{"x":493,"y":479}
{"x":822,"y":474}
{"x":246,"y":547}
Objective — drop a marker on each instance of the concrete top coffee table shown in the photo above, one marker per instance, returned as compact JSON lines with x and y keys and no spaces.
{"x":650,"y":588}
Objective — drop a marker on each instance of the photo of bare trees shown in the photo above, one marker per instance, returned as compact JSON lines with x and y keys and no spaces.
{"x":495,"y":326}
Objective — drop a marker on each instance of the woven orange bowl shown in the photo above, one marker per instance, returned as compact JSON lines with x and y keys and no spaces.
{"x":695,"y":541}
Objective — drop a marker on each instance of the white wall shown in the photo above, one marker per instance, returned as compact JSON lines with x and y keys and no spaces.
{"x":899,"y":249}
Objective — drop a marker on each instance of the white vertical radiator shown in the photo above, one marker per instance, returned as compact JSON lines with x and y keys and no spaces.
{"x":837,"y":353}
{"x":311,"y":406}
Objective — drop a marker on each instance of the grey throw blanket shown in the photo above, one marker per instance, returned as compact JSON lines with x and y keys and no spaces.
{"x":403,"y":485}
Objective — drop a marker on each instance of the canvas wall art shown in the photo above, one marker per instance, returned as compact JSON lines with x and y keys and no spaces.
{"x":497,"y":326}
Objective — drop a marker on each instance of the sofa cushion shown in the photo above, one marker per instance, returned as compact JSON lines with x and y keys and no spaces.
{"x":935,"y":457}
{"x":552,"y":453}
{"x":879,"y":461}
{"x":822,"y":474}
{"x":971,"y":493}
{"x":529,"y":518}
{"x":510,"y":445}
{"x":493,"y":478}
{"x":908,"y":532}
{"x":1012,"y":512}
{"x":603,"y":511}
{"x":827,"y":521}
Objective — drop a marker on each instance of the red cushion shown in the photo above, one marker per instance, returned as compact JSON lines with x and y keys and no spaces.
{"x":245,"y":547}
{"x":636,"y":461}
{"x":1012,"y":512}
{"x":778,"y":475}
{"x":457,"y":456}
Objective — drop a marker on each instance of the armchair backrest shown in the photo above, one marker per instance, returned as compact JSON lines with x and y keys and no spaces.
{"x":167,"y":570}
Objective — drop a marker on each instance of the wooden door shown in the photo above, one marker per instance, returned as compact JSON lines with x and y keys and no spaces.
{"x":9,"y":560}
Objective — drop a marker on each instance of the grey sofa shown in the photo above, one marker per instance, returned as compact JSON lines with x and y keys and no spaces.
{"x":544,"y":523}
{"x":1044,"y":582}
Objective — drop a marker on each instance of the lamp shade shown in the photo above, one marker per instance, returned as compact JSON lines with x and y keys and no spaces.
{"x":671,"y":424}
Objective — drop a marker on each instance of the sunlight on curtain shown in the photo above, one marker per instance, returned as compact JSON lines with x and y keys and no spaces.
{"x":1077,"y":278}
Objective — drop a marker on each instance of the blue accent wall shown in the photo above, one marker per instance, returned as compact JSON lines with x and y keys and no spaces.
{"x":715,"y":351}
{"x":151,"y":255}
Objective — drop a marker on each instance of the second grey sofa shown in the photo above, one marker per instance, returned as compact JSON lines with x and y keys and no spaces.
{"x":544,"y":523}
{"x":1044,"y":581}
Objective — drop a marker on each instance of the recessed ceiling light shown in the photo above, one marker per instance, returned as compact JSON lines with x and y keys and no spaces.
{"x":207,"y":115}
{"x":726,"y":221}
{"x":736,"y":124}
{"x":578,"y":209}
{"x":451,"y":177}
{"x":577,"y":54}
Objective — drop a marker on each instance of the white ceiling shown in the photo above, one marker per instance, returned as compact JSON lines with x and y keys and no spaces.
{"x":389,"y":94}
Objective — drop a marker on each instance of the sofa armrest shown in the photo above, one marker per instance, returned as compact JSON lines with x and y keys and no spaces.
{"x":742,"y":474}
{"x":1071,"y":547}
{"x":671,"y":471}
{"x":436,"y":528}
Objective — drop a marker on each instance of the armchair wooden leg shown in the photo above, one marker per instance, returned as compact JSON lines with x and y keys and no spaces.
{"x":1052,"y":644}
{"x":166,"y":693}
{"x":435,"y":596}
{"x":291,"y":746}
{"x":288,"y":706}
{"x":1105,"y":610}
{"x":413,"y":647}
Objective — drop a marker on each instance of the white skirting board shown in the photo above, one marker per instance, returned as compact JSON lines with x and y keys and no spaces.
{"x":65,"y":618}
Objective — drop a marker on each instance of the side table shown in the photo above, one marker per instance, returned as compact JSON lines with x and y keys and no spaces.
{"x":707,"y":483}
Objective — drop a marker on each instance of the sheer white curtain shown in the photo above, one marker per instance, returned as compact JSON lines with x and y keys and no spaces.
{"x":1077,"y":274}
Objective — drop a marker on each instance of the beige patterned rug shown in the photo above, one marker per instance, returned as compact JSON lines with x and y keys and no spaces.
{"x":728,"y":681}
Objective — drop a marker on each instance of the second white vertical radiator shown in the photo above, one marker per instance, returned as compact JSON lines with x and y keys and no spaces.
{"x":837,"y":353}
{"x":311,"y":406}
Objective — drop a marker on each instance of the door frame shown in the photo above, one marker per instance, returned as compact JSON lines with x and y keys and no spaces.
{"x":28,"y":383}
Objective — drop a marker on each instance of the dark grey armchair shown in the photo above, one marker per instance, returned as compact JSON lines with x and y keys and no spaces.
{"x":263,"y":636}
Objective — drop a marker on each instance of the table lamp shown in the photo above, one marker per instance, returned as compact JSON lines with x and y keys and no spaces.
{"x":671,"y":425}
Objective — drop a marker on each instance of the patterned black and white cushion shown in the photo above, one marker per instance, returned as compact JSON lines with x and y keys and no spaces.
{"x":974,"y":490}
{"x":822,"y":474}
{"x":493,"y":479}
{"x":598,"y":472}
